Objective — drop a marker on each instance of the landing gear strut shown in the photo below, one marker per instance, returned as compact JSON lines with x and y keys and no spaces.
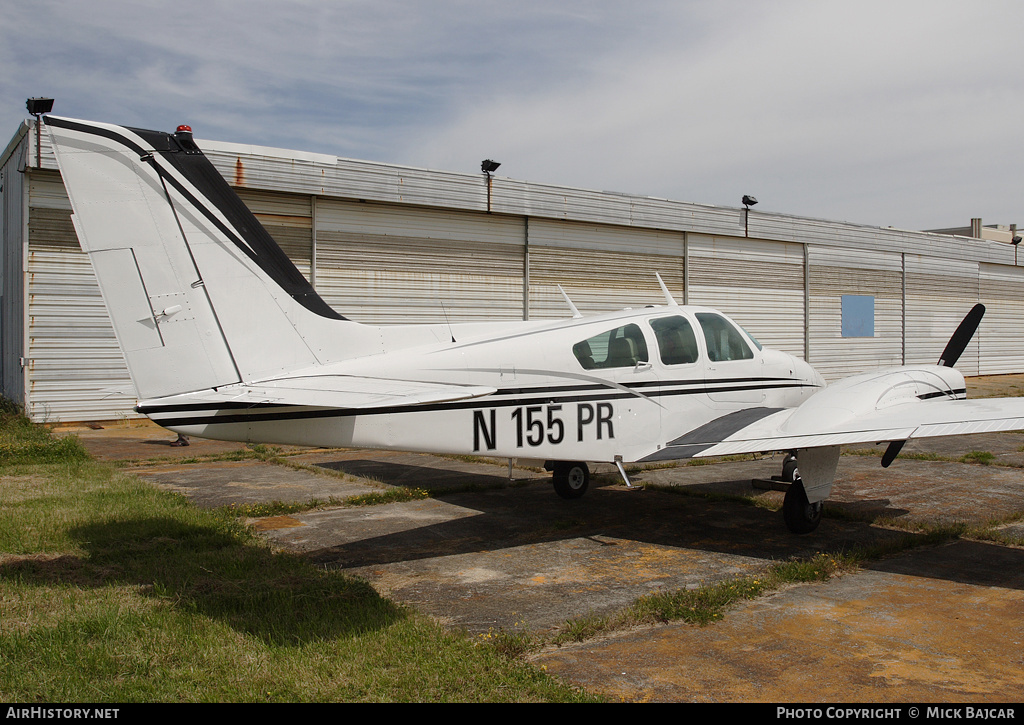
{"x":801,"y":516}
{"x":570,"y":478}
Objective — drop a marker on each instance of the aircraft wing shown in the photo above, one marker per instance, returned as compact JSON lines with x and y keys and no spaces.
{"x":764,"y":429}
{"x":319,"y":391}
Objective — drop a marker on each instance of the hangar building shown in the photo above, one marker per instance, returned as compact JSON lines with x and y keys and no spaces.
{"x":391,"y":244}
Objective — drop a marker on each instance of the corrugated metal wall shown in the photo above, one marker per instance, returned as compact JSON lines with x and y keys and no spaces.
{"x":600,"y":267}
{"x":1001,"y":336}
{"x":834,"y":272}
{"x":289,"y":220}
{"x":391,"y":264}
{"x":939,"y":293}
{"x":758,"y":283}
{"x":73,"y":362}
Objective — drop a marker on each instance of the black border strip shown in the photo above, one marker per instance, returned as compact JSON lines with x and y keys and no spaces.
{"x":943,"y":394}
{"x":274,"y":412}
{"x":537,"y":390}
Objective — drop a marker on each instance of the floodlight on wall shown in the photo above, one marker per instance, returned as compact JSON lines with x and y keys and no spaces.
{"x":747,"y":201}
{"x":488,"y":166}
{"x":37,"y":107}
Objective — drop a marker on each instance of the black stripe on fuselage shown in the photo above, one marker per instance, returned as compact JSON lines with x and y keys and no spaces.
{"x":266,"y":412}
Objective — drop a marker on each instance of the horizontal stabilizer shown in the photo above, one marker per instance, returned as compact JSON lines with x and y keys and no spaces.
{"x":321,"y":392}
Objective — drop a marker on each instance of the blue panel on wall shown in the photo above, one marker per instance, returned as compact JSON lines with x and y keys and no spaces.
{"x":858,"y":316}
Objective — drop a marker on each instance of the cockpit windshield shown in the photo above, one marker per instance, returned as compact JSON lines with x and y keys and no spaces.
{"x":723,"y":340}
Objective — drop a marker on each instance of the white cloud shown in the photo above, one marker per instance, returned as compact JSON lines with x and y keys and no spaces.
{"x":815,"y":108}
{"x":900,"y":112}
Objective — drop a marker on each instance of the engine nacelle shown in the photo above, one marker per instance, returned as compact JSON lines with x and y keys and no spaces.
{"x":868,"y":392}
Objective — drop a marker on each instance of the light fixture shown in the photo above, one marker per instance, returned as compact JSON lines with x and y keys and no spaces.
{"x":748,"y":201}
{"x":37,"y":107}
{"x":487,"y":166}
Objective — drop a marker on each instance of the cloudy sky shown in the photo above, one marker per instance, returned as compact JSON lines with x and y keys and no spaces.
{"x":896,"y":113}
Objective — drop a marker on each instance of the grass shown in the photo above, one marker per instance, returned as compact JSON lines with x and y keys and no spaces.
{"x":23,"y":442}
{"x":984,"y":458}
{"x":114,"y":591}
{"x":281,"y":508}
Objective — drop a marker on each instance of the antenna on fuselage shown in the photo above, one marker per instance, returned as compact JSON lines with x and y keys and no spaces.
{"x":575,"y":313}
{"x":446,"y":321}
{"x":664,"y":289}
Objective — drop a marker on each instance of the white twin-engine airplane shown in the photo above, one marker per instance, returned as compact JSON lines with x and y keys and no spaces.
{"x":224,"y":338}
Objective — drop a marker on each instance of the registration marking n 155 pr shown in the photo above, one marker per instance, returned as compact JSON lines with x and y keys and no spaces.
{"x":534,"y":425}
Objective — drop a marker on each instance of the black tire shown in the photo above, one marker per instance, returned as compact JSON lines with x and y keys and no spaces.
{"x":790,"y":474}
{"x":801,"y":516}
{"x":571,"y":479}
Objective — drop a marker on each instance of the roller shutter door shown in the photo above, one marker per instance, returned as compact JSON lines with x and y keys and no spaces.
{"x":939,"y":293}
{"x":288,"y":218}
{"x":601,"y":267}
{"x":389,"y":264}
{"x":760,"y":284}
{"x":1001,"y":334}
{"x":835,"y":272}
{"x":73,"y":360}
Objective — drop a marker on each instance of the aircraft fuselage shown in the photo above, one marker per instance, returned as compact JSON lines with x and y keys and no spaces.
{"x":547,"y":404}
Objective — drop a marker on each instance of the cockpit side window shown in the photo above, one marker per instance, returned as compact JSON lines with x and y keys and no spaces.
{"x":676,"y":341}
{"x":723,"y":340}
{"x":622,"y":347}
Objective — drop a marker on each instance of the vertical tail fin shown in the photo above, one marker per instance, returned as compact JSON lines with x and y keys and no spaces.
{"x":199,"y":294}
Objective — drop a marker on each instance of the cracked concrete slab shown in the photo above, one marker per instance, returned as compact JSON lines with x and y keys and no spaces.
{"x":487,"y":553}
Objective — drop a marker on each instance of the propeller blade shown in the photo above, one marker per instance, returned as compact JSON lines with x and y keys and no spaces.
{"x":891,"y":452}
{"x":960,"y":339}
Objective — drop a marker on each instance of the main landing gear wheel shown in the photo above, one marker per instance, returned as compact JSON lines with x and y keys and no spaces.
{"x":801,"y":516}
{"x":571,"y":479}
{"x":790,"y":474}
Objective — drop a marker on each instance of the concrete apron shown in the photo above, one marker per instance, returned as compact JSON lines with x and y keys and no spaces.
{"x":485,"y":554}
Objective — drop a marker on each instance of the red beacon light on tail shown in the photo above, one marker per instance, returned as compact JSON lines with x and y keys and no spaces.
{"x":183,"y":135}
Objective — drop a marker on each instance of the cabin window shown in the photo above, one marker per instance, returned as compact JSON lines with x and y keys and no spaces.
{"x":724,"y":341}
{"x":676,"y":341}
{"x":622,"y":347}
